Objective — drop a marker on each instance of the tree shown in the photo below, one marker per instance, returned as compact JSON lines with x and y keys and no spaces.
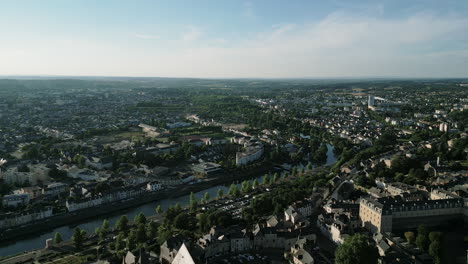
{"x":294,"y":171}
{"x":122,"y":224}
{"x":105,"y":225}
{"x":356,"y":249}
{"x":245,"y":187}
{"x":433,"y":236}
{"x":78,"y":238}
{"x":131,"y":240}
{"x":141,"y":233}
{"x":206,"y":197}
{"x":275,"y":177}
{"x":119,"y":241}
{"x":220,"y":193}
{"x":182,"y":221}
{"x":265,"y":179}
{"x":158,"y":209}
{"x":203,"y":222}
{"x":422,"y":240}
{"x":410,"y":237}
{"x":152,"y":230}
{"x":232,"y":189}
{"x":193,"y":202}
{"x":57,"y":238}
{"x":140,"y":219}
{"x":255,"y":184}
{"x":435,"y":250}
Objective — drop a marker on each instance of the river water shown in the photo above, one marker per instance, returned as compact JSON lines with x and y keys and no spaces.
{"x":38,"y":241}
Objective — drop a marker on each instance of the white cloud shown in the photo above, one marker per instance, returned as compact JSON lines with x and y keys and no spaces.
{"x":146,"y":36}
{"x":193,"y":33}
{"x":340,"y":45}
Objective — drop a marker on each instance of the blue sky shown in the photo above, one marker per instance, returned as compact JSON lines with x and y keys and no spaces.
{"x":228,"y":38}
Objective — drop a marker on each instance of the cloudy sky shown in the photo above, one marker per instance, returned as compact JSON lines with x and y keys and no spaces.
{"x":229,"y":38}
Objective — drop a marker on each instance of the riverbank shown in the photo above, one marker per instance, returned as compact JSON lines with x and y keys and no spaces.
{"x":82,"y":215}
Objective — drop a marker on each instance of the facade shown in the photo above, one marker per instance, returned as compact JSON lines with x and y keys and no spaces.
{"x":55,"y":188}
{"x":15,"y":199}
{"x":252,"y":153}
{"x":33,"y":192}
{"x":117,"y":195}
{"x":394,"y":213}
{"x":25,"y":217}
{"x":207,"y":168}
{"x":153,"y":186}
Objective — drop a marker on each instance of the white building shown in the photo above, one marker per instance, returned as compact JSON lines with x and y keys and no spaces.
{"x":15,"y":199}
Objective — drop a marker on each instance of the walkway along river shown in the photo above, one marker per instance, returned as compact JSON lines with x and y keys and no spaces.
{"x":38,"y":241}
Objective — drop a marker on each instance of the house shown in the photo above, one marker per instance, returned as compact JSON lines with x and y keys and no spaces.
{"x":207,"y":168}
{"x":33,"y":192}
{"x":214,"y":244}
{"x":170,"y":248}
{"x":24,"y":217}
{"x":290,"y":214}
{"x":15,"y":199}
{"x":54,"y":188}
{"x":153,"y":186}
{"x":240,"y":241}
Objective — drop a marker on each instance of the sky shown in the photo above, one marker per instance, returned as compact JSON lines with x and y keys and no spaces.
{"x":235,"y":39}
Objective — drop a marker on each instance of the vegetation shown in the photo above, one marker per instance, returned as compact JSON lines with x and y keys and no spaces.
{"x":356,"y":249}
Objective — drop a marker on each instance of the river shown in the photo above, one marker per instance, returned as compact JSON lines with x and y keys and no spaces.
{"x":38,"y":241}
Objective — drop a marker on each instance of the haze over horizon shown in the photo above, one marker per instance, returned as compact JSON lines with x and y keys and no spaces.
{"x":235,"y":39}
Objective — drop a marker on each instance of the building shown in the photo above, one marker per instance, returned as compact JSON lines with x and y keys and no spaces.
{"x":153,"y":186}
{"x":394,"y":213}
{"x":251,"y":153}
{"x":371,"y":101}
{"x":207,"y":168}
{"x":55,"y":188}
{"x":15,"y":199}
{"x":33,"y":192}
{"x":25,"y":217}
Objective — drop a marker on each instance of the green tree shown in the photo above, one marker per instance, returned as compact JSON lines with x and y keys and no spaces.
{"x":193,"y":202}
{"x":140,"y":219}
{"x":57,"y":238}
{"x":141,"y":233}
{"x":119,"y":242}
{"x":203,"y":222}
{"x":132,"y":240}
{"x":206,"y":197}
{"x":122,"y":224}
{"x":245,"y":187}
{"x":255,"y":184}
{"x":410,"y":237}
{"x":275,"y":177}
{"x":105,"y":225}
{"x":433,"y":236}
{"x":182,"y":221}
{"x":78,"y":238}
{"x":220,"y":193}
{"x":356,"y":249}
{"x":294,"y":171}
{"x":152,"y":230}
{"x":232,"y":189}
{"x":422,"y":240}
{"x":435,"y":250}
{"x":158,"y":209}
{"x":266,"y":179}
